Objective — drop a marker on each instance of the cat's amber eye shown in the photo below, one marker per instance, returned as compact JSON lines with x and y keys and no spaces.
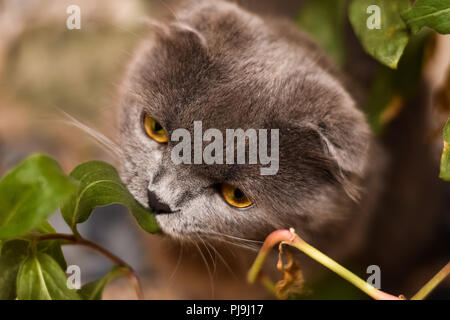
{"x":234,"y":196}
{"x":154,"y":130}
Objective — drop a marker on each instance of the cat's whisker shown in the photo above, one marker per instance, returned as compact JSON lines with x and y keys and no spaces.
{"x":236,"y":238}
{"x":221,"y":237}
{"x":210,"y":255}
{"x":172,"y":12}
{"x":110,"y":146}
{"x":241,"y":245}
{"x":223,"y":261}
{"x":207,"y":268}
{"x":230,"y":248}
{"x":125,"y":29}
{"x":180,"y":256}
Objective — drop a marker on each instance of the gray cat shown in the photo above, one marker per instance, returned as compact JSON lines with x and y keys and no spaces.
{"x":229,"y":68}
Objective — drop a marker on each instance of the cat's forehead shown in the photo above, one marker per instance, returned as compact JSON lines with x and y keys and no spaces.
{"x":180,"y":81}
{"x":229,"y":68}
{"x":226,"y":68}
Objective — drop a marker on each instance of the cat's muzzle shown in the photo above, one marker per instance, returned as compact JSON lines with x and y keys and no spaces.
{"x":156,"y":205}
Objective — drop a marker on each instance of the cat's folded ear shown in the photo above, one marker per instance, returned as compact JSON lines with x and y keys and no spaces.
{"x":183,"y":29}
{"x":175,"y":32}
{"x":346,"y":140}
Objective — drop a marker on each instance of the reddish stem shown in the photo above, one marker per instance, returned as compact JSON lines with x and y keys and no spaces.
{"x":291,"y":238}
{"x":77,"y":240}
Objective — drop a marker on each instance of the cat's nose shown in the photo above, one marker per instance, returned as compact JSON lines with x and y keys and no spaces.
{"x":156,"y":205}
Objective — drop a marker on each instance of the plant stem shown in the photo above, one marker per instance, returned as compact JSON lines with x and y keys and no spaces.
{"x":340,"y":270}
{"x":289,"y":237}
{"x":267,"y":282}
{"x":271,"y":240}
{"x":430,"y":285}
{"x":78,"y":240}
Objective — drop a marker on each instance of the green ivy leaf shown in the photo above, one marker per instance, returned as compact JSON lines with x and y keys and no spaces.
{"x":387,"y":43}
{"x":445,"y":160}
{"x":30,"y":193}
{"x":41,"y":278}
{"x":324,"y":20}
{"x":100,"y":185}
{"x":392,"y":88}
{"x":94,"y":290}
{"x":14,"y":252}
{"x":429,"y":13}
{"x":12,"y":255}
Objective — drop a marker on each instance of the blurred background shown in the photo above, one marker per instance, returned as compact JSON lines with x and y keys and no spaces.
{"x":48,"y":72}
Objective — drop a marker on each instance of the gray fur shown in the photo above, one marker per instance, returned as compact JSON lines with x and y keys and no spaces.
{"x":232,"y":69}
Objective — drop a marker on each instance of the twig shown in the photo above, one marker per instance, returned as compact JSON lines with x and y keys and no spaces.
{"x":289,"y":237}
{"x":77,"y":240}
{"x":266,"y":282}
{"x":430,"y":285}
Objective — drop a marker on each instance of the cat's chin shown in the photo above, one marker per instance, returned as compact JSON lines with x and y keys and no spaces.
{"x":171,"y":227}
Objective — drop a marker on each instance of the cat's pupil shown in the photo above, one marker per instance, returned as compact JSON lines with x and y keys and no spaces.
{"x":238,"y":194}
{"x":157,"y":127}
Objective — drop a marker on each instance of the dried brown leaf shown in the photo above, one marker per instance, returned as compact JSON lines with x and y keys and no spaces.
{"x":292,"y":285}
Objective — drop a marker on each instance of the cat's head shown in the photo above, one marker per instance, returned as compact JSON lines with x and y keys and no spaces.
{"x":229,"y":69}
